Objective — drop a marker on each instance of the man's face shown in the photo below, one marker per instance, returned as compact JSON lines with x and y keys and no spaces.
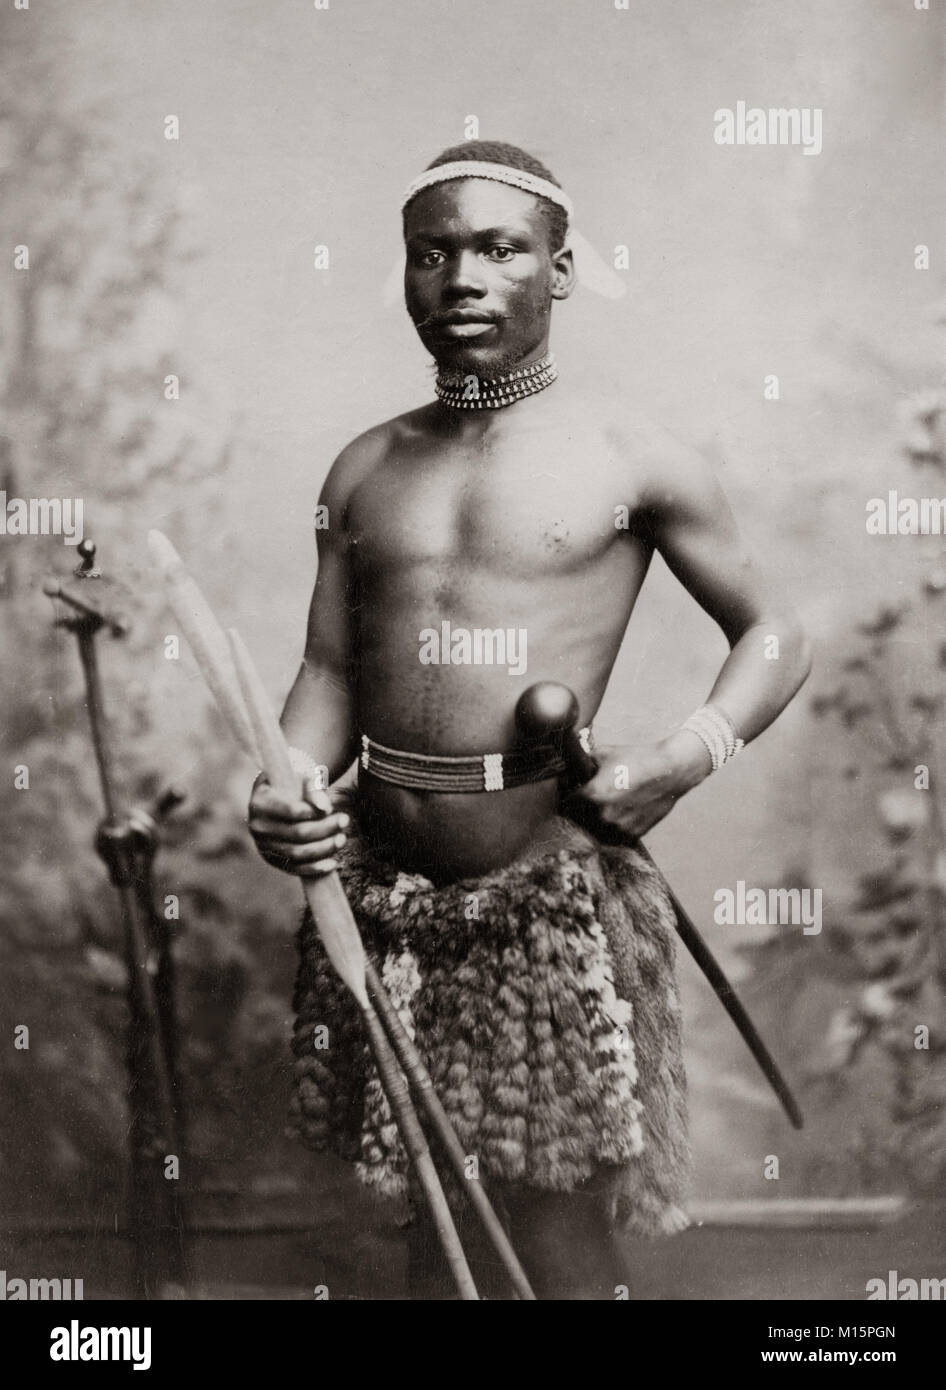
{"x":481,"y":275}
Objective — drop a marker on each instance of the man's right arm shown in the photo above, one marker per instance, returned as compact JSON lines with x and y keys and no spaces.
{"x":319,"y":715}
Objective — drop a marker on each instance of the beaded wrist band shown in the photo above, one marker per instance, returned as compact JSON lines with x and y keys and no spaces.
{"x":717,"y":733}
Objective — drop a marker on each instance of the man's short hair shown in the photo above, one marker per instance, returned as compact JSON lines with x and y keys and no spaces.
{"x":498,"y":152}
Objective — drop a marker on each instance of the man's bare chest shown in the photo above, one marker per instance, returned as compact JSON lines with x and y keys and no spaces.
{"x":526,"y":507}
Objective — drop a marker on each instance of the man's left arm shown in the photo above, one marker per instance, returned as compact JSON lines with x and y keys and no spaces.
{"x":684,"y":514}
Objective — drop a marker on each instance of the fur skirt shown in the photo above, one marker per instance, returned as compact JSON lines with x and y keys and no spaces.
{"x":543,"y":1000}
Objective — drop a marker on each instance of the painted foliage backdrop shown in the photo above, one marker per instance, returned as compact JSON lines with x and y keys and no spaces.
{"x":194,"y":257}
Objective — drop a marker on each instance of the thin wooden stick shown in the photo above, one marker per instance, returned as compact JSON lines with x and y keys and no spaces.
{"x":212,"y":652}
{"x":330,"y":910}
{"x":550,"y":710}
{"x":423,"y":1087}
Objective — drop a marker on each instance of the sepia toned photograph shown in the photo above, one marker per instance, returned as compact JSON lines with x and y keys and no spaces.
{"x":473,"y":603}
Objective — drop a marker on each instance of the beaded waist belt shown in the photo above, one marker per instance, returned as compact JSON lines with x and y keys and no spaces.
{"x":484,"y":772}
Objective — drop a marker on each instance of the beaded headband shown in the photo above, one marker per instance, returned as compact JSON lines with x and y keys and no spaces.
{"x":482,"y":169}
{"x":592,"y":271}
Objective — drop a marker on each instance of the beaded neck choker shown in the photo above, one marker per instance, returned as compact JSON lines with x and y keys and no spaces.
{"x":471,"y":392}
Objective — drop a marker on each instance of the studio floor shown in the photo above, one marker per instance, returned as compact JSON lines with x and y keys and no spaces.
{"x":356,"y":1255}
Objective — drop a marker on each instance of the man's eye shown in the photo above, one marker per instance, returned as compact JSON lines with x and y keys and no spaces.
{"x":502,"y":253}
{"x":430,"y":258}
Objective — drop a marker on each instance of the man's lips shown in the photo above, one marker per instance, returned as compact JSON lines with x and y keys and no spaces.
{"x":464,"y":323}
{"x":471,"y":328}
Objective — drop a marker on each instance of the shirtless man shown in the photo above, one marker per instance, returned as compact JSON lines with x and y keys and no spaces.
{"x":505,"y":516}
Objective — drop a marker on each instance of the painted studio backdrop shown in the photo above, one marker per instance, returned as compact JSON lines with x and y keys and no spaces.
{"x":208,"y":196}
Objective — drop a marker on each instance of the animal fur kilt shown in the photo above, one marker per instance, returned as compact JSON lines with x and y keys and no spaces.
{"x":543,"y":1000}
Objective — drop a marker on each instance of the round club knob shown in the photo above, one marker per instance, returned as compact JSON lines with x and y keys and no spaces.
{"x":546,"y":709}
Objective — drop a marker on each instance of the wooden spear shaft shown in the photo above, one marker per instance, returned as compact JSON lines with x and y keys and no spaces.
{"x":213,"y":656}
{"x":332,"y":914}
{"x":330,"y":910}
{"x":423,"y":1088}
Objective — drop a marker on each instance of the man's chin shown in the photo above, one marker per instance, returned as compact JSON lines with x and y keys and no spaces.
{"x":469,"y":360}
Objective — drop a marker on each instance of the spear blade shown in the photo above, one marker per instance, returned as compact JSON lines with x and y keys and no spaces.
{"x":205,"y":636}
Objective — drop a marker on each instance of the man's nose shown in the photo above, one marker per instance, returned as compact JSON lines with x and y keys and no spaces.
{"x":466,"y":275}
